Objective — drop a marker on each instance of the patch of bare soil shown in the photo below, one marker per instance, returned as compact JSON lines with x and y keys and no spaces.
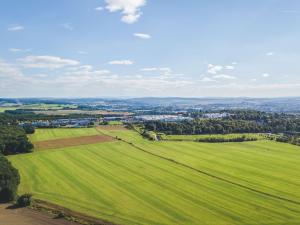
{"x":78,"y":217}
{"x":75,"y":141}
{"x":25,"y":216}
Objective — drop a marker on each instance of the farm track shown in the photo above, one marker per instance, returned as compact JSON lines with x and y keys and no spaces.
{"x":208,"y":174}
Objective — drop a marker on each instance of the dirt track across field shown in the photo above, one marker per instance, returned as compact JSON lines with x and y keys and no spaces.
{"x":24,"y":216}
{"x":68,"y":142}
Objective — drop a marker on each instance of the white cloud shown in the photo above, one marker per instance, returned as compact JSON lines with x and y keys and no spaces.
{"x":149,"y":69}
{"x":129,"y":8}
{"x":8,"y":70}
{"x":234,"y":63}
{"x":19,"y":50}
{"x":254,"y":80}
{"x":214,"y":69}
{"x":270,"y":53}
{"x":81,"y":68}
{"x":67,"y":26}
{"x":165,"y":71}
{"x":47,"y":62}
{"x":15,"y":50}
{"x":143,"y":36}
{"x":82,"y":52}
{"x":224,"y":76}
{"x":121,"y":62}
{"x":291,"y":11}
{"x":15,"y":27}
{"x":207,"y":79}
{"x":265,"y":75}
{"x":229,"y":67}
{"x":99,"y":8}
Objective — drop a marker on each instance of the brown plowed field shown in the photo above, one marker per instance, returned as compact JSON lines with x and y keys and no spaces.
{"x":24,"y":216}
{"x":74,"y":141}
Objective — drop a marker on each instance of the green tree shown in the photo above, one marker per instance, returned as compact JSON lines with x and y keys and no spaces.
{"x":9,"y":180}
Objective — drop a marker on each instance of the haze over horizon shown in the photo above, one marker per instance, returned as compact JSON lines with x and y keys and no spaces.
{"x":126,"y":48}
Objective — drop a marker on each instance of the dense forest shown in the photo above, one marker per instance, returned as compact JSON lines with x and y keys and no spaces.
{"x":13,"y":139}
{"x":235,"y":122}
{"x":9,"y":180}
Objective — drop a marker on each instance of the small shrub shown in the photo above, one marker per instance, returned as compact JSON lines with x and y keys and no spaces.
{"x":24,"y":200}
{"x":61,"y":215}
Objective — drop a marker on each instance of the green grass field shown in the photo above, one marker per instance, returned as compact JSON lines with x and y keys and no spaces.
{"x":59,"y":133}
{"x":167,"y":182}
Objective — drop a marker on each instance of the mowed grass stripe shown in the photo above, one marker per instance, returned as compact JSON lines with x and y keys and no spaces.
{"x":109,"y":177}
{"x":206,"y":189}
{"x":196,"y":154}
{"x":205,"y":156}
{"x":212,"y":208}
{"x":212,"y":190}
{"x":59,"y":133}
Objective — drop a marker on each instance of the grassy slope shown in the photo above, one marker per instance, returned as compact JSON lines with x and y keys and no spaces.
{"x":56,"y":133}
{"x":117,"y":182}
{"x":264,"y":165}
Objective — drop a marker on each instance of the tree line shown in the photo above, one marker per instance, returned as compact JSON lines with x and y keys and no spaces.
{"x":13,"y":140}
{"x":261,"y":123}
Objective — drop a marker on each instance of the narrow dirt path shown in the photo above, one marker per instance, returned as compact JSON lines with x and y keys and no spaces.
{"x":24,"y":216}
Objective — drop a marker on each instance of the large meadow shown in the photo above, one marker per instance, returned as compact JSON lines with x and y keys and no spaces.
{"x":129,"y":180}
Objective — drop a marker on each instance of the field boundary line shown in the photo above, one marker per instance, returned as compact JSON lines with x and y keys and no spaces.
{"x":69,"y":214}
{"x":215,"y":176}
{"x":209,"y":174}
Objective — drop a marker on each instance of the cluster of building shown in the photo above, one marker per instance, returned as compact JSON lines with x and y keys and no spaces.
{"x":82,"y":122}
{"x":216,"y":115}
{"x":164,"y":118}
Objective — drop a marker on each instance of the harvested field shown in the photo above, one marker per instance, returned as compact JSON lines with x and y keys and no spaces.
{"x":74,"y":141}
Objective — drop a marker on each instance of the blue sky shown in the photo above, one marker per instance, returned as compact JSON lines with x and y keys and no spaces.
{"x":126,"y":48}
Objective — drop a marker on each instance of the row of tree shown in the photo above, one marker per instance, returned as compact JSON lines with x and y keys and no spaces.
{"x":220,"y":139}
{"x":292,"y":139}
{"x":13,"y":140}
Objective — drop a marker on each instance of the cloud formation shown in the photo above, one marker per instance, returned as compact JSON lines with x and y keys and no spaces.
{"x":142,"y":36}
{"x":15,"y":27}
{"x":99,"y":8}
{"x":121,"y":62}
{"x":225,"y":76}
{"x":270,"y":53}
{"x":67,"y":26}
{"x":15,"y":50}
{"x":47,"y":62}
{"x":214,"y":69}
{"x":130,"y":9}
